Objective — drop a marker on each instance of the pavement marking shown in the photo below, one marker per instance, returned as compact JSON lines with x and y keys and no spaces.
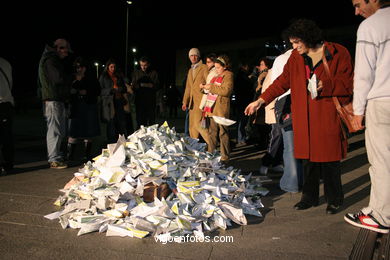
{"x":23,"y":224}
{"x":26,"y":195}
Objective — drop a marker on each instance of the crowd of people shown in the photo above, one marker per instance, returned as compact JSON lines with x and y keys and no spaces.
{"x":286,"y":101}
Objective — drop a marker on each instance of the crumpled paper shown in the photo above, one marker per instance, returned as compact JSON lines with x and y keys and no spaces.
{"x":106,"y":194}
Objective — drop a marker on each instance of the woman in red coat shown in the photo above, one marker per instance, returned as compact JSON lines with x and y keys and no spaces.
{"x":318,"y":138}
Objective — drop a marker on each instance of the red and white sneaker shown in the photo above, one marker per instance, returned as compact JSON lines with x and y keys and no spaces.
{"x":365,"y":221}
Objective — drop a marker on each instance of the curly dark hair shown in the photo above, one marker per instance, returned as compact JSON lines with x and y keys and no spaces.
{"x":306,"y":30}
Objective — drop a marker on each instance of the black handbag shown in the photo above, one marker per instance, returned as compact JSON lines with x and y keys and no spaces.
{"x":283,"y":112}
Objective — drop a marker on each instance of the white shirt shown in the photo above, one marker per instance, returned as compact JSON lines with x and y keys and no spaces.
{"x":372,"y":60}
{"x":278,"y":66}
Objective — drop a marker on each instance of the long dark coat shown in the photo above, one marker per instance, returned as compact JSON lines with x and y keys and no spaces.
{"x":317,"y":131}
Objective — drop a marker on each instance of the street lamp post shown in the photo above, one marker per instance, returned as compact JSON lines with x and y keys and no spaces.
{"x":127,"y":33}
{"x":97,"y":69}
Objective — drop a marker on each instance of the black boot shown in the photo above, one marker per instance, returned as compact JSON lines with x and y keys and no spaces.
{"x":87,"y":151}
{"x":71,"y":150}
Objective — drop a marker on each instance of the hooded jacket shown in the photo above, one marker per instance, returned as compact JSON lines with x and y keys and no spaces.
{"x":52,"y":78}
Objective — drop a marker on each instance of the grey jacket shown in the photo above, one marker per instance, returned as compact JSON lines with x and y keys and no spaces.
{"x":53,"y":82}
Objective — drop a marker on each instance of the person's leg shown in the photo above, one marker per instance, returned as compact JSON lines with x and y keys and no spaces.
{"x":120,"y":121}
{"x":310,"y":190}
{"x":224,"y":142}
{"x":187,"y":123}
{"x":72,"y":142}
{"x":333,"y":189}
{"x":290,"y":179}
{"x":194,"y":120}
{"x":241,"y":131}
{"x":378,"y":147}
{"x":151,"y":114}
{"x":110,"y":132}
{"x":213,"y":135}
{"x":141,"y":118}
{"x":87,"y":149}
{"x":56,"y":129}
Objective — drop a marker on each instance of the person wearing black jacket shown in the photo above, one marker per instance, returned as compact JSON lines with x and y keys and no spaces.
{"x":145,"y":83}
{"x":84,"y":121}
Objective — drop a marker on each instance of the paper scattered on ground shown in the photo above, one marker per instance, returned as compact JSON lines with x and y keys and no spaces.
{"x":106,"y":195}
{"x":223,"y":121}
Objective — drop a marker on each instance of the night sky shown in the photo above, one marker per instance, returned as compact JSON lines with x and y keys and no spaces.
{"x":156,"y":28}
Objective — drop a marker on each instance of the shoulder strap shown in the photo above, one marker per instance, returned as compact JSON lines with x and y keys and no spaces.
{"x":327,"y":71}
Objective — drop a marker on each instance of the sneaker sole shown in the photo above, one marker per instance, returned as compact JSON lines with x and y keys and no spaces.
{"x":383,"y":231}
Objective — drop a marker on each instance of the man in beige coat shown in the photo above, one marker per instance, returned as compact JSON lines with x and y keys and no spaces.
{"x":197,"y":75}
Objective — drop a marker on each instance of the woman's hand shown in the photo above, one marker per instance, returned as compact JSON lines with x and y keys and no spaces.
{"x":253,"y":107}
{"x":319,"y":86}
{"x":205,"y":86}
{"x":358,"y":122}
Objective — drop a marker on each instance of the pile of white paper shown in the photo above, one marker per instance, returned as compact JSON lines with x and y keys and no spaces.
{"x":106,"y":195}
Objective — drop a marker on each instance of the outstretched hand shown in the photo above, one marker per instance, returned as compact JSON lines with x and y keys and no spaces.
{"x":253,"y":107}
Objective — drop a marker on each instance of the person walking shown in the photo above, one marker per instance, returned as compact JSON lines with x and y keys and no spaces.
{"x":197,"y":75}
{"x":145,"y":84}
{"x":84,"y":120}
{"x":218,"y":104}
{"x":6,"y":117}
{"x":372,"y":100}
{"x":54,"y":84}
{"x":318,"y":138}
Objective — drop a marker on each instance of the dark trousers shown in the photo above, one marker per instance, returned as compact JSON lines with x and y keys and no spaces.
{"x":274,"y":155}
{"x":6,"y":135}
{"x":331,"y":175}
{"x":146,"y":114}
{"x":118,"y":125}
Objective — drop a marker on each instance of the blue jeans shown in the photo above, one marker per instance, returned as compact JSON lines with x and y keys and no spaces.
{"x":292,"y":177}
{"x":55,"y":114}
{"x":186,"y":123}
{"x":241,"y":131}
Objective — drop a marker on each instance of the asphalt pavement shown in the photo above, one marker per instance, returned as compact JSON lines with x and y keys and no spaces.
{"x":282,"y":233}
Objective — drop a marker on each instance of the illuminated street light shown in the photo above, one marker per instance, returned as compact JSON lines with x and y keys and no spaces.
{"x":97,"y":69}
{"x":134,"y":50}
{"x":127,"y":33}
